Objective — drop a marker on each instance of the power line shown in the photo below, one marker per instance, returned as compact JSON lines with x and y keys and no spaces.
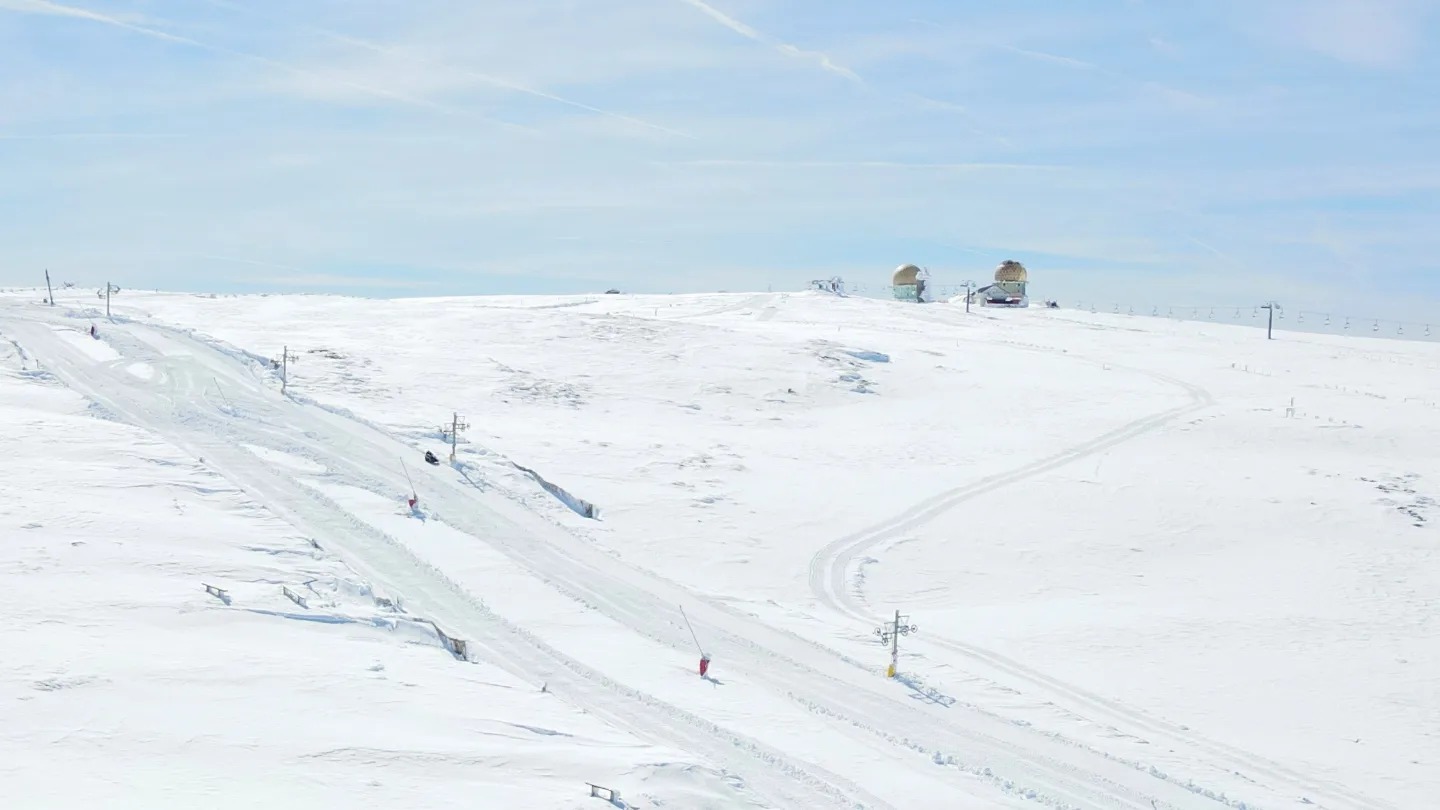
{"x":1313,"y":321}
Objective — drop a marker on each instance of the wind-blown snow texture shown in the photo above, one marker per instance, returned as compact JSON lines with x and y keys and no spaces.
{"x":1153,"y":564}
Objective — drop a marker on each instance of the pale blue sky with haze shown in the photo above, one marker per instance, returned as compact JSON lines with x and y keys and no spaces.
{"x":1224,"y":152}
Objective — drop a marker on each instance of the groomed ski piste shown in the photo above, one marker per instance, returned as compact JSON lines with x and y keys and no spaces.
{"x":1153,"y":564}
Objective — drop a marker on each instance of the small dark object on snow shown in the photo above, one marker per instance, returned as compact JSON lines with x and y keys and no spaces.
{"x":430,"y":458}
{"x":612,"y":291}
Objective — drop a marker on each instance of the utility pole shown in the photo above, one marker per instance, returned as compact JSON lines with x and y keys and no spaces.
{"x":49,"y":289}
{"x":456,"y":425}
{"x":105,"y":293}
{"x":1270,"y":326}
{"x":969,"y":292}
{"x":286,"y":358}
{"x":890,"y":633}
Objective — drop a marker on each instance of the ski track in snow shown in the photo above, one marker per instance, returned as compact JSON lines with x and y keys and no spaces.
{"x":831,"y":583}
{"x":205,"y":400}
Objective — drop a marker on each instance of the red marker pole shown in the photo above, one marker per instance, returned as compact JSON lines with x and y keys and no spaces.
{"x":414,"y":496}
{"x":704,"y":657}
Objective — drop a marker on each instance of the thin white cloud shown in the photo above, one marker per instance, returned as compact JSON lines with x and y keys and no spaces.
{"x":94,"y":136}
{"x":1365,"y":33}
{"x":1217,"y":252}
{"x":1164,"y":46}
{"x":323,"y":280}
{"x":1177,"y":98}
{"x":828,"y":64}
{"x":1372,"y":33}
{"x":729,"y":22}
{"x":1057,"y":59}
{"x":472,"y":75}
{"x":256,"y":263}
{"x":962,"y":111}
{"x":862,"y":164}
{"x":818,"y":57}
{"x":495,"y":81}
{"x":301,"y":277}
{"x":57,"y":9}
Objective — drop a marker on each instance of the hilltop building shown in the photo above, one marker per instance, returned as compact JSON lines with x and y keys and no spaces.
{"x":911,"y":283}
{"x":1009,"y":289}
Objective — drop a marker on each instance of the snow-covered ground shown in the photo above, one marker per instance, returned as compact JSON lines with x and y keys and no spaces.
{"x":1154,"y":564}
{"x":127,"y":685}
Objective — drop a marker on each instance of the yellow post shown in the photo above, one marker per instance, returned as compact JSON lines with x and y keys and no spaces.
{"x":890,"y":671}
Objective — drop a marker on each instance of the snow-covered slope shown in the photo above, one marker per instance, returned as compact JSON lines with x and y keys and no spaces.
{"x":295,"y":683}
{"x":1154,"y":564}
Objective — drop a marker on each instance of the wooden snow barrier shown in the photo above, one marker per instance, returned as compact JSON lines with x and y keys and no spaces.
{"x":294,"y":597}
{"x":600,"y":792}
{"x":579,"y":506}
{"x":457,"y":647}
{"x":219,"y":593}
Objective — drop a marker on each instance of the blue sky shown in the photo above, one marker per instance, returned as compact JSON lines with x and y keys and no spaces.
{"x":1223,"y":152}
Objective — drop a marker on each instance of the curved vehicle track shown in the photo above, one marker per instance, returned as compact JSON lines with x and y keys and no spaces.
{"x":829,"y":577}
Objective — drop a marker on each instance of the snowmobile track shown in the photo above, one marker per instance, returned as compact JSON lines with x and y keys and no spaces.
{"x":829,"y":581}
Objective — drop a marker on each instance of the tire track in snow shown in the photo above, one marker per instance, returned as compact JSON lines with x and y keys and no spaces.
{"x":1241,"y":763}
{"x":829,"y":568}
{"x":752,"y":302}
{"x":829,"y":581}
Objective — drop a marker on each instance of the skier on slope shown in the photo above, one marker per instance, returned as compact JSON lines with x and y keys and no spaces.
{"x":430,"y":458}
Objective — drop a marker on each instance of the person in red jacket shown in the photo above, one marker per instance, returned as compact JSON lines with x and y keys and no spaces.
{"x":704,"y":665}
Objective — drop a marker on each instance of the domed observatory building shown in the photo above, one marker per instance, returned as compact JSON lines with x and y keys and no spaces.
{"x":1011,"y":278}
{"x":911,"y":283}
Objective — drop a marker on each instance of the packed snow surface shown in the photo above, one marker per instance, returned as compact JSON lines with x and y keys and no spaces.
{"x":1151,"y":564}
